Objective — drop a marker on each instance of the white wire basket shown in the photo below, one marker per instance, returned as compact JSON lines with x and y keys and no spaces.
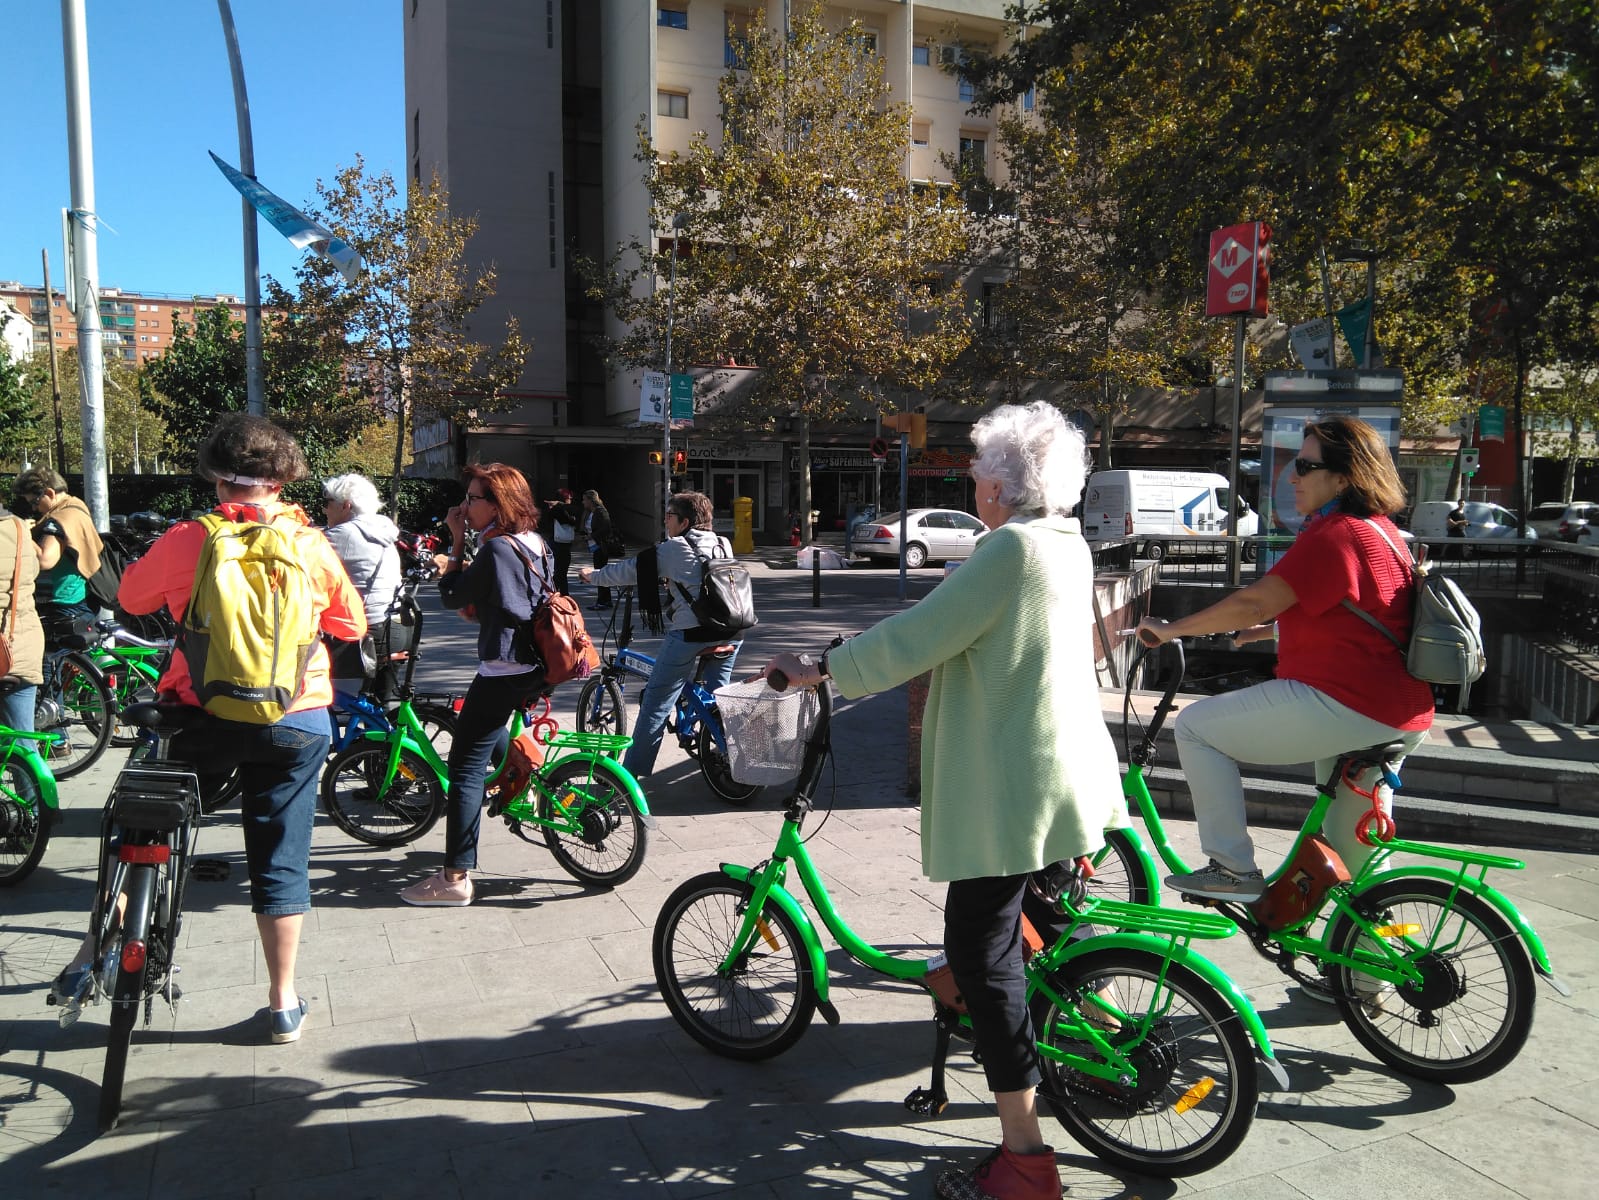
{"x":766,"y":730}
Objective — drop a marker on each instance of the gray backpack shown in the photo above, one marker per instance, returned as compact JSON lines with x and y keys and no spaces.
{"x":1445,"y":630}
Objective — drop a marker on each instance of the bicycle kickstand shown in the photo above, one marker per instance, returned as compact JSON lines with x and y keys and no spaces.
{"x":933,"y":1099}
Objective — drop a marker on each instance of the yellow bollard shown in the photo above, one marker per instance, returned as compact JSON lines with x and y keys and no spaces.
{"x":743,"y":525}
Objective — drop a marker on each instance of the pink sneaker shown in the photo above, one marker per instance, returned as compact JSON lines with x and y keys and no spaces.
{"x":1005,"y":1175}
{"x":439,"y":891}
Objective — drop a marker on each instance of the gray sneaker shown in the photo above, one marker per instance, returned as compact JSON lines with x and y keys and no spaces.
{"x":1216,"y":882}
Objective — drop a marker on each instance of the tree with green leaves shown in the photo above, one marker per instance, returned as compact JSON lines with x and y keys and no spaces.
{"x":406,"y":319}
{"x":310,"y":384}
{"x":135,"y":431}
{"x":1455,"y":139}
{"x":22,"y":423}
{"x":807,"y":250}
{"x":1072,"y":319}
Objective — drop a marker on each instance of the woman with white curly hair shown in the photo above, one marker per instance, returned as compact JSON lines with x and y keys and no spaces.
{"x":1018,"y":769}
{"x":363,"y":538}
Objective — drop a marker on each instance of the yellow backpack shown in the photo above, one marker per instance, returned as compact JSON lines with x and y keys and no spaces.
{"x":251,"y":622}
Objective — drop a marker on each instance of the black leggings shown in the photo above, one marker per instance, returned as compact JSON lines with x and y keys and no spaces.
{"x":490,"y":701}
{"x":983,"y":942}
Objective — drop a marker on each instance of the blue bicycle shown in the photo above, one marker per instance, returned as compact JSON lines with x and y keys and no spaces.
{"x":695,"y":720}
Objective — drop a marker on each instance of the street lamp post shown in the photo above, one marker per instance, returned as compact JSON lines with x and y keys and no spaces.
{"x":254,"y":375}
{"x":679,"y":221}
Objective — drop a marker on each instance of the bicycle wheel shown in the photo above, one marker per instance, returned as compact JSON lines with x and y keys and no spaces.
{"x":354,"y":795}
{"x":127,"y":996}
{"x":81,"y":710}
{"x":759,"y":1007}
{"x":1195,"y":1094}
{"x":601,"y":707}
{"x":25,"y":824}
{"x":713,"y":765}
{"x":610,"y":847}
{"x":438,"y":722}
{"x":1119,"y":870}
{"x":1471,"y":1012}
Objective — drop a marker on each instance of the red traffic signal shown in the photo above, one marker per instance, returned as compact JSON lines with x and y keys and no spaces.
{"x":679,"y":462}
{"x":879,"y":447}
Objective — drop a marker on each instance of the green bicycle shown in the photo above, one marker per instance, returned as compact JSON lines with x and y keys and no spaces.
{"x":1145,"y":1043}
{"x":28,"y":803}
{"x":1431,"y":966}
{"x":388,"y":788}
{"x":132,"y":668}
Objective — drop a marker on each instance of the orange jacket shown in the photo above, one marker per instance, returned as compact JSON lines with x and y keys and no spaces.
{"x":164,"y":574}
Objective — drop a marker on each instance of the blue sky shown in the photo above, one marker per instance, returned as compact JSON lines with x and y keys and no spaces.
{"x":325,"y":81}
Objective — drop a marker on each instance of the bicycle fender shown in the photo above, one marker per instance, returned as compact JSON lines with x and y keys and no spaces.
{"x":35,"y":766}
{"x":1199,"y":965}
{"x":1492,"y":896}
{"x":781,"y":897}
{"x":616,"y":770}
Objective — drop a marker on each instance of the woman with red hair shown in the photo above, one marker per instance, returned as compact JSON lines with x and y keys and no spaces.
{"x":499,"y":590}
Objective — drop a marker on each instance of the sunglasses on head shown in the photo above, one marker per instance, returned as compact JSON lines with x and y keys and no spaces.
{"x":1304,"y":466}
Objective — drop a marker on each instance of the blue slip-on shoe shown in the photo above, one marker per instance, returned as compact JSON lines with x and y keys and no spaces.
{"x":287,"y":1023}
{"x":71,"y":985}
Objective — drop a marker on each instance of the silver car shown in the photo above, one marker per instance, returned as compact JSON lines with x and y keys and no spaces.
{"x":931,"y":535}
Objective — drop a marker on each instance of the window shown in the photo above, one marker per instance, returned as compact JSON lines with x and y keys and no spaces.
{"x":671,"y":18}
{"x":734,"y":40}
{"x":1029,"y":99}
{"x":921,"y":133}
{"x":37,"y":304}
{"x":865,"y":40}
{"x":671,"y":104}
{"x":974,"y":153}
{"x":921,"y":55}
{"x":968,"y":91}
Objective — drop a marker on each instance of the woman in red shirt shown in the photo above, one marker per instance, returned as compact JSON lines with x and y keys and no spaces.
{"x":1340,"y":686}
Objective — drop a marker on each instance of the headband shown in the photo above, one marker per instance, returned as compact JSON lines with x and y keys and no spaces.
{"x":245,"y":480}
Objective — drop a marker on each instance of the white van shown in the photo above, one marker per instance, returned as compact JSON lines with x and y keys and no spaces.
{"x":1160,"y":504}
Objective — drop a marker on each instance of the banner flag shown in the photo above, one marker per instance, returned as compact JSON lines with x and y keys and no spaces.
{"x":303,"y":233}
{"x":1312,"y":343}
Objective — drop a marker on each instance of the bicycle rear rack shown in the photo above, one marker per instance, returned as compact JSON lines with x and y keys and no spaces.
{"x":156,"y":798}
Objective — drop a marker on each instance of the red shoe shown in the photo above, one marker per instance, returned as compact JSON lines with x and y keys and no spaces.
{"x":1005,"y":1175}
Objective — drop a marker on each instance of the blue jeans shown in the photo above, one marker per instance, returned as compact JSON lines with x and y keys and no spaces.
{"x":674,"y":666}
{"x":279,"y":765}
{"x":16,"y":708}
{"x":489,"y":703}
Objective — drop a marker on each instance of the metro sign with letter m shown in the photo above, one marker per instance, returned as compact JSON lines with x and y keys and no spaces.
{"x":1237,"y":273}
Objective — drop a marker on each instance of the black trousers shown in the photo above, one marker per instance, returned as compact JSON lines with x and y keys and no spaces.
{"x":983,"y":942}
{"x":490,"y":701}
{"x":563,"y":563}
{"x":603,"y":594}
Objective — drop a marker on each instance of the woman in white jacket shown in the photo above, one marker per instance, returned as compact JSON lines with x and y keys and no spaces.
{"x":669,"y":571}
{"x":363,"y":538}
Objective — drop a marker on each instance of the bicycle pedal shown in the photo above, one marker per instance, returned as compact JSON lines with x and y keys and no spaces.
{"x":69,"y":1014}
{"x":210,"y":870}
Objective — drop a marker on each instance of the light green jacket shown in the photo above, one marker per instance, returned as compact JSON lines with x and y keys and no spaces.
{"x":1018,"y":769}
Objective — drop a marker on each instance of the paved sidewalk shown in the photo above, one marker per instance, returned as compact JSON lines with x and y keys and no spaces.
{"x":519,"y":1047}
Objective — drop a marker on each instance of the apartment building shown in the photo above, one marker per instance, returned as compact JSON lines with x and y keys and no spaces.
{"x":134,"y":326}
{"x":528,"y":114}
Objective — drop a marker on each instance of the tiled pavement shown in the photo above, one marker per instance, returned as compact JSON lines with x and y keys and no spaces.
{"x":519,"y":1047}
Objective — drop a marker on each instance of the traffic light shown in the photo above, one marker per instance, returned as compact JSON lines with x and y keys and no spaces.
{"x":914,"y":424}
{"x":657,"y":457}
{"x":679,"y":462}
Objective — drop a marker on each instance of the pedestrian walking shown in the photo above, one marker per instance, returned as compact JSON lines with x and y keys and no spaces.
{"x":602,"y":541}
{"x":560,"y":523}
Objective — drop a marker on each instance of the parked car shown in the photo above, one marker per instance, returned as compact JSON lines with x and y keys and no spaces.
{"x":1580,"y":522}
{"x":1430,"y":521}
{"x":1546,"y":518}
{"x":931,"y":535}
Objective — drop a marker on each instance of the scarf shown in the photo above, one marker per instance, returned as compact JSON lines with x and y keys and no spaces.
{"x":78,"y":528}
{"x":649,"y":591}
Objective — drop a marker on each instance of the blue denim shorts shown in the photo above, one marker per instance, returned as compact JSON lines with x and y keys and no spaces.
{"x":279,"y":765}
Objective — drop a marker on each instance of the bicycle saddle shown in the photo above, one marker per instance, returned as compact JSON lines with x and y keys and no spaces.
{"x":1383,"y":755}
{"x":721,"y":650}
{"x":167,"y":718}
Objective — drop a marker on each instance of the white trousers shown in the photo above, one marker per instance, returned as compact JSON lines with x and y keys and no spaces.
{"x":1277,"y":723}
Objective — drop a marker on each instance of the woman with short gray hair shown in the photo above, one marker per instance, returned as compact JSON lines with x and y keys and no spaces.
{"x":1018,"y":769}
{"x":363,"y":538}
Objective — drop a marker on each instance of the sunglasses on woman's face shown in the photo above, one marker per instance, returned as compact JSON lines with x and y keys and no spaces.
{"x":1304,"y":466}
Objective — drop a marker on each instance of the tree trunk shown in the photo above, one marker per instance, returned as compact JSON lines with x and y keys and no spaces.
{"x":807,"y":533}
{"x":401,"y":413}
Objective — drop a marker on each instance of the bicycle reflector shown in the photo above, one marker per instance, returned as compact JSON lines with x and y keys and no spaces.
{"x":1195,"y":1094}
{"x":133,"y":955}
{"x":159,"y":853}
{"x":1396,"y":931}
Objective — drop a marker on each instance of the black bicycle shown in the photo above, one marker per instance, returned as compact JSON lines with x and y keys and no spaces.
{"x":147,"y":836}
